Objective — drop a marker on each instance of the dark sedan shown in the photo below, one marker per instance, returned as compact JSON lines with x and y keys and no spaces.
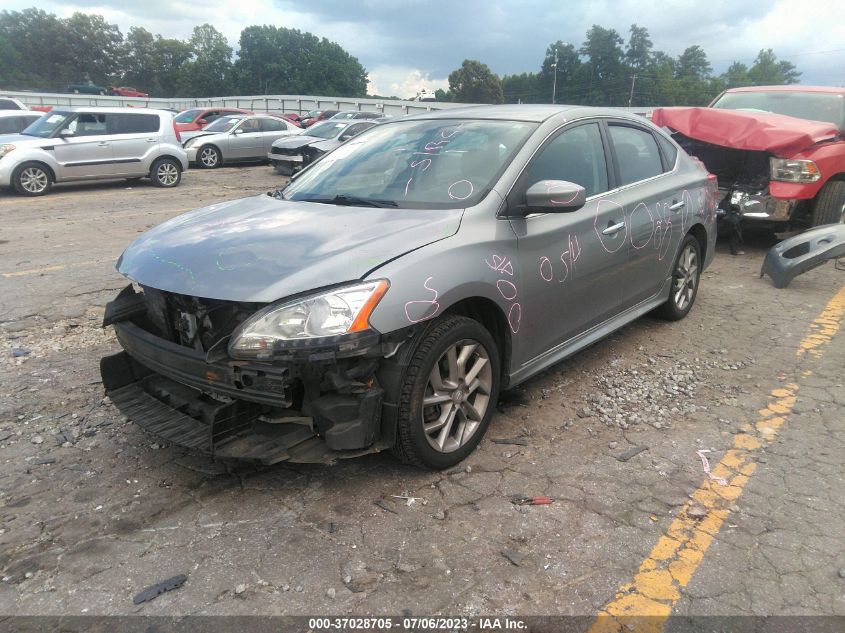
{"x":292,"y":154}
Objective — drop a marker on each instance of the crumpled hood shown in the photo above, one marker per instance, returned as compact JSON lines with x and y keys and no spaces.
{"x":262,"y":249}
{"x":295,"y":141}
{"x":775,"y":133}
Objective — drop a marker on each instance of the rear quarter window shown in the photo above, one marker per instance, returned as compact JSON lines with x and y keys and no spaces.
{"x":133,"y":123}
{"x":636,"y":154}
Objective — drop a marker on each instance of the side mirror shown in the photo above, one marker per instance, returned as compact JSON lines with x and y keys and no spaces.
{"x":237,"y":131}
{"x":345,"y":137}
{"x":202,"y":122}
{"x":67,"y":132}
{"x":554,"y":196}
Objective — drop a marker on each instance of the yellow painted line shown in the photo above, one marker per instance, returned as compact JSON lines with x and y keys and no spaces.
{"x":51,"y":269}
{"x":644,"y":604}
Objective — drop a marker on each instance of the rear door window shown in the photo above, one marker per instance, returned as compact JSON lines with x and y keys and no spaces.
{"x":272,"y":125}
{"x":637,"y":155}
{"x":133,"y":123}
{"x":8,"y":104}
{"x":10,"y":124}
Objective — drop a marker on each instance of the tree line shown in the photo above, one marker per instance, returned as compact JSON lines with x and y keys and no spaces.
{"x":40,"y":51}
{"x":605,"y":71}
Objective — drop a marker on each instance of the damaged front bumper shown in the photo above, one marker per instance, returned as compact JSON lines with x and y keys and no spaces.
{"x":756,"y":205}
{"x":317,"y":406}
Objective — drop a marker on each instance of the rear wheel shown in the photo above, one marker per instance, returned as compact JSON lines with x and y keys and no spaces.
{"x":32,"y":179}
{"x":829,"y":206}
{"x":685,"y":277}
{"x":166,"y":172}
{"x":448,"y":394}
{"x":209,"y":157}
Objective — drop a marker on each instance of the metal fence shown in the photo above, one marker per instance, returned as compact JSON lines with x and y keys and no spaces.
{"x":257,"y":103}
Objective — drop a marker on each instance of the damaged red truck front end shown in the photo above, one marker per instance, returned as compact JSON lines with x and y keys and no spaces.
{"x":777,"y":151}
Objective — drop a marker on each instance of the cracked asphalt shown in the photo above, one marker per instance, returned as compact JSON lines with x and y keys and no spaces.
{"x":92,"y":510}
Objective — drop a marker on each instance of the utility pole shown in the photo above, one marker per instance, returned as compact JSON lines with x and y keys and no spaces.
{"x":631,"y":96}
{"x":554,"y":78}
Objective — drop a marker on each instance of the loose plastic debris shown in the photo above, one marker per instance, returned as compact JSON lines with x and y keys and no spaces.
{"x":706,"y":465}
{"x":154,"y":591}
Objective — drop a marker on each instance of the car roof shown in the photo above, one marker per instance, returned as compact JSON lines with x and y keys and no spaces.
{"x":789,"y":88}
{"x":523,"y":112}
{"x":109,"y":110}
{"x":19,"y":112}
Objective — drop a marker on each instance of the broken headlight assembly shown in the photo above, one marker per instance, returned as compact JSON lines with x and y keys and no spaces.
{"x":794,"y":170}
{"x":330,"y":317}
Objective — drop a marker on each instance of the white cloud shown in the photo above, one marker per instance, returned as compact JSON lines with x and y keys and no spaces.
{"x":402,"y":81}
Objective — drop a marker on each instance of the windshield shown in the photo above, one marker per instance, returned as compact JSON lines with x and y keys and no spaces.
{"x":440,"y":164}
{"x":326,"y":129}
{"x":47,"y":125}
{"x":187,"y":116}
{"x":223,"y":124}
{"x":815,"y":106}
{"x":343,"y":115}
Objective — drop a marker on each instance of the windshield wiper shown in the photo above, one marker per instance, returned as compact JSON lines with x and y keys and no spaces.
{"x":353,"y":201}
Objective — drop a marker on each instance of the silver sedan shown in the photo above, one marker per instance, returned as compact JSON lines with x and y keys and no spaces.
{"x":236,"y":139}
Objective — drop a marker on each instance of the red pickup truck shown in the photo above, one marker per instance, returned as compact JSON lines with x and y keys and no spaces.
{"x":778,"y":151}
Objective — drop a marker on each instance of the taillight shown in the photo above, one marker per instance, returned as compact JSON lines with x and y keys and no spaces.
{"x":176,"y":131}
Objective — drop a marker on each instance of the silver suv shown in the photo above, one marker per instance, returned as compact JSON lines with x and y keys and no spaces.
{"x":72,"y":144}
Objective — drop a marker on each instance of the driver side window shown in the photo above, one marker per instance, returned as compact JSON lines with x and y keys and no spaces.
{"x":576,"y":155}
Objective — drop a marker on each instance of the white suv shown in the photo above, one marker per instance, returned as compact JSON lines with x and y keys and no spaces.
{"x":89,"y":143}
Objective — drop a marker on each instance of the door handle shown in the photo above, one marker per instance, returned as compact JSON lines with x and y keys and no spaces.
{"x":102,"y":144}
{"x":676,"y":206}
{"x":615,"y":228}
{"x":151,"y":140}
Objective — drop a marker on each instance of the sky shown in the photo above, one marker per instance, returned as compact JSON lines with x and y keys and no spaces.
{"x":414,"y":44}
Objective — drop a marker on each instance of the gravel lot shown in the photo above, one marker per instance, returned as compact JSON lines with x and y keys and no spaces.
{"x":92,"y":510}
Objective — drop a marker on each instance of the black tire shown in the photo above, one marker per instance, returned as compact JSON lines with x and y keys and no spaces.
{"x":829,"y":206}
{"x":282,"y":169}
{"x":209,"y":157}
{"x":166,"y":172}
{"x":32,"y":179}
{"x":680,"y":299}
{"x":413,"y":445}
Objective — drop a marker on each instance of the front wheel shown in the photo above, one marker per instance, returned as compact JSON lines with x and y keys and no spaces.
{"x":166,"y":172}
{"x":32,"y":179}
{"x":448,"y":394}
{"x":829,"y":206}
{"x":209,"y":157}
{"x":686,"y":274}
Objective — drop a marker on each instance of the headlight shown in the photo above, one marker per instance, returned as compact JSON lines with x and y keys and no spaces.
{"x":794,"y":170}
{"x":324,"y":316}
{"x":5,"y":149}
{"x":189,"y":142}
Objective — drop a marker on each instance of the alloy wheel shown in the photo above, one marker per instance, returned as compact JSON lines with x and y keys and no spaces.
{"x":208,"y":156}
{"x":167,"y":174}
{"x":457,"y":395}
{"x":34,"y":179}
{"x":685,"y":278}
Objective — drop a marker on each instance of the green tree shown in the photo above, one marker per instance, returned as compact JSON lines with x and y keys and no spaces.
{"x":38,"y":45}
{"x":474,"y":82}
{"x":207,"y":73}
{"x":768,"y":71}
{"x":736,"y":75}
{"x":10,"y":66}
{"x":139,"y":61}
{"x":279,"y":60}
{"x":693,"y":63}
{"x":638,"y":53}
{"x":93,"y":47}
{"x":442,"y":95}
{"x":568,"y":66}
{"x":607,"y":79}
{"x":171,"y":57}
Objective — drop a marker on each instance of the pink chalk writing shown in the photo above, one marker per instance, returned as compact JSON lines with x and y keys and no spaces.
{"x":423,"y":309}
